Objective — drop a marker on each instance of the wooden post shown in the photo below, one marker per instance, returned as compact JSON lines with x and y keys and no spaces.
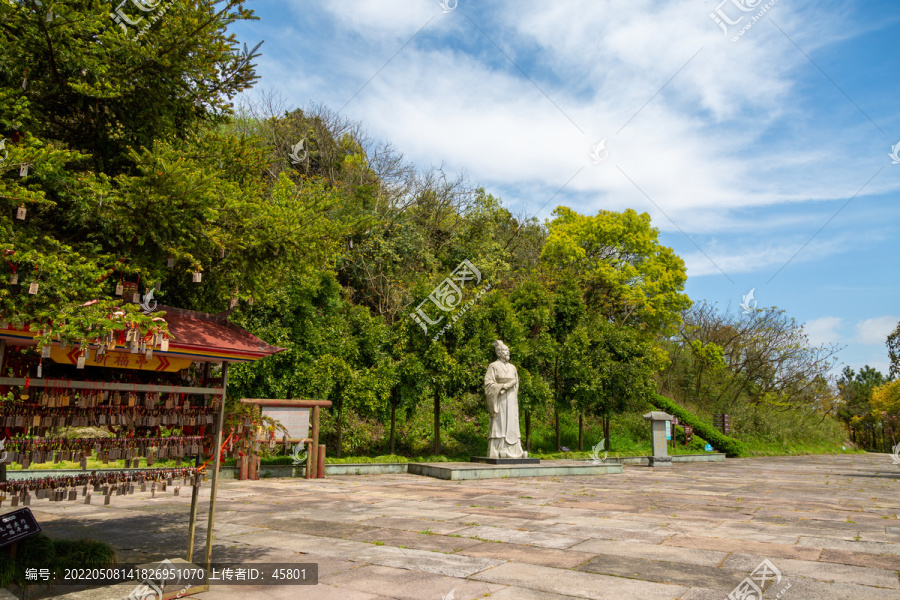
{"x":320,"y":470}
{"x":217,"y":462}
{"x":314,"y":434}
{"x":252,"y":467}
{"x":310,"y":462}
{"x":192,"y":522}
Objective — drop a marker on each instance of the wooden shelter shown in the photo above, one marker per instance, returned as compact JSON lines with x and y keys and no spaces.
{"x":195,"y":337}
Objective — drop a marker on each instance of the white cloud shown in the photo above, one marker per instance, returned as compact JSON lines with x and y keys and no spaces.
{"x":694,"y":148}
{"x":376,"y":18}
{"x":753,"y":255}
{"x":875,"y":330}
{"x":824,"y":330}
{"x":726,"y":140}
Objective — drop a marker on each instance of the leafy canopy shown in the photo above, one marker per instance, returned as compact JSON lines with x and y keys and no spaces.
{"x":625,"y":273}
{"x":115,"y":154}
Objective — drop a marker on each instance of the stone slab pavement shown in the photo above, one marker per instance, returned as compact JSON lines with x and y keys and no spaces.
{"x":693,"y":531}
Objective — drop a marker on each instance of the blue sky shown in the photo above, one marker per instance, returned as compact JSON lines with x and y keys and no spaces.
{"x":764,"y":160}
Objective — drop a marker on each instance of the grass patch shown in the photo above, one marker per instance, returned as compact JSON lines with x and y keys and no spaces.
{"x":762,"y":448}
{"x":42,"y":552}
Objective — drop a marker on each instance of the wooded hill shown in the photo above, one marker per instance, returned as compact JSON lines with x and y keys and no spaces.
{"x":133,"y":165}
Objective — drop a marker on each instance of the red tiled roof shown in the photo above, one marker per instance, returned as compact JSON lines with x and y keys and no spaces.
{"x":195,"y":335}
{"x":211,"y":336}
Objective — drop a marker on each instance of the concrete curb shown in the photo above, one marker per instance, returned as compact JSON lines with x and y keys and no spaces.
{"x":368,"y":468}
{"x":464,"y":471}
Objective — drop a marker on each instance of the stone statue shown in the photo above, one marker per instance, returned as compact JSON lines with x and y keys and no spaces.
{"x":501,"y":388}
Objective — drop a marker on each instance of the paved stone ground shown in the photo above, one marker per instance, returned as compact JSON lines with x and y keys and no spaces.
{"x":692,"y":532}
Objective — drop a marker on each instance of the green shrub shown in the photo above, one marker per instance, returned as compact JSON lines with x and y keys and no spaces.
{"x":42,"y":552}
{"x":730,"y":446}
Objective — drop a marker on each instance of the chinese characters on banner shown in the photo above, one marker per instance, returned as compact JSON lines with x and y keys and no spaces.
{"x":119,"y":360}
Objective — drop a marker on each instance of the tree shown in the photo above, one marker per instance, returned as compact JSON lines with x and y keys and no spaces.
{"x":886,"y":407}
{"x":407,"y":391}
{"x":333,"y":351}
{"x":442,"y":376}
{"x":720,"y":361}
{"x":608,"y":370}
{"x":625,"y":274}
{"x":856,"y":411}
{"x":114,"y":156}
{"x":533,"y":303}
{"x":893,"y":345}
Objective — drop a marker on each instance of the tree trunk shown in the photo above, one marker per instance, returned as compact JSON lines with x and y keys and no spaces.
{"x":697,"y":388}
{"x":528,"y":431}
{"x":580,"y":432}
{"x":556,"y":414}
{"x":437,"y":424}
{"x":340,"y":428}
{"x":606,"y":441}
{"x":393,"y":420}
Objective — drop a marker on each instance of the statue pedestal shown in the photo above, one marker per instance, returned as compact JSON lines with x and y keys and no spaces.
{"x":505,"y":461}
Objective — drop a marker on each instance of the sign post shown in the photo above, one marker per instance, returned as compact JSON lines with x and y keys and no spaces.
{"x":301,"y":419}
{"x":17,"y":525}
{"x":661,"y":427}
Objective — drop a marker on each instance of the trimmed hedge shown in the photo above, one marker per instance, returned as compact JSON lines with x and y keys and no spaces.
{"x":730,"y":446}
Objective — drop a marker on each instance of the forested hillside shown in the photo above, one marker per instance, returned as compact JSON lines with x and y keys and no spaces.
{"x":126,"y":163}
{"x":592,"y":307}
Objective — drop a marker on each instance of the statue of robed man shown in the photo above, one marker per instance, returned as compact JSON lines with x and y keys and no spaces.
{"x":501,"y":389}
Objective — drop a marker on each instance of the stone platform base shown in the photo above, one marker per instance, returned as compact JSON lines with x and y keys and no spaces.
{"x":506,"y":461}
{"x":462,"y":471}
{"x":660,"y":461}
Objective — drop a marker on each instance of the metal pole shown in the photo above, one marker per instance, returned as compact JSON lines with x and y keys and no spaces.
{"x":214,"y":487}
{"x":195,"y":492}
{"x":192,"y":526}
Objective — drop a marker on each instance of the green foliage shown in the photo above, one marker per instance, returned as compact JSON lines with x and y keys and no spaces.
{"x":626,"y":275}
{"x":126,"y":171}
{"x":893,"y":346}
{"x":42,"y":552}
{"x":608,"y":368}
{"x":885,"y":406}
{"x":137,"y":161}
{"x":859,"y":410}
{"x":758,"y":368}
{"x":730,"y":446}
